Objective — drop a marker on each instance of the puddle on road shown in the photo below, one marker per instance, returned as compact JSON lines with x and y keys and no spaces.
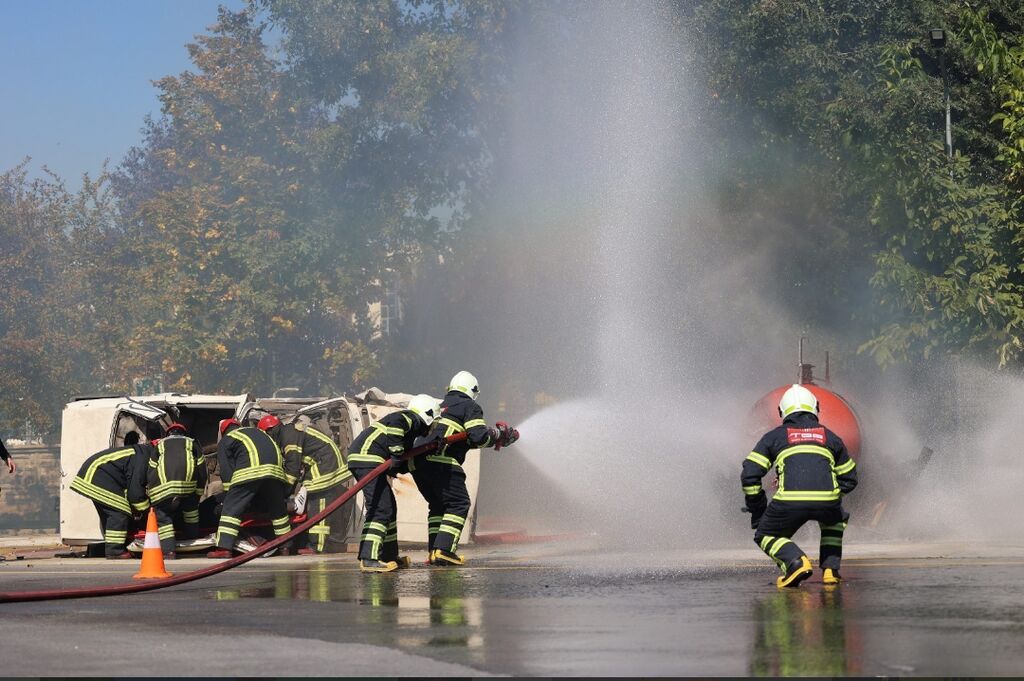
{"x":806,"y":633}
{"x":450,"y":616}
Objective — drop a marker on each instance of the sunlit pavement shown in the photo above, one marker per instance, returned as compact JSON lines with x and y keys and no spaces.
{"x":533,"y":610}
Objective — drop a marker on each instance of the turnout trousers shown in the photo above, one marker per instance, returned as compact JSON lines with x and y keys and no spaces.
{"x":181,"y":510}
{"x":268,"y":494}
{"x":379,"y":540}
{"x":316,"y":537}
{"x":782,"y":519}
{"x":114,"y":524}
{"x":443,"y":485}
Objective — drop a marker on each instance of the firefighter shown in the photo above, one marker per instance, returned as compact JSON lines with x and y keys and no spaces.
{"x":8,"y":460}
{"x":253,"y":474}
{"x":439,"y":475}
{"x":386,"y":439}
{"x":115,"y":481}
{"x":177,"y":477}
{"x":311,"y":460}
{"x":814,"y":472}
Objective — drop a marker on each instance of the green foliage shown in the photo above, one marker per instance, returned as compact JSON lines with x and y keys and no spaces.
{"x":850,"y":93}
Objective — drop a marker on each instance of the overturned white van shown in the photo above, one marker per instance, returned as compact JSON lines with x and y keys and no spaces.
{"x":93,"y":423}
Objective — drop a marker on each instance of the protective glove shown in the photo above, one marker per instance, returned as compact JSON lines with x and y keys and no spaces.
{"x":755,"y":520}
{"x":755,"y":506}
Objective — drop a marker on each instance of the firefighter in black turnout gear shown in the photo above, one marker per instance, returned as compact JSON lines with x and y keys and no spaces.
{"x":439,"y":475}
{"x":814,"y":472}
{"x":386,"y":439}
{"x":177,"y":477}
{"x":115,"y":481}
{"x":253,"y":474}
{"x":311,"y":460}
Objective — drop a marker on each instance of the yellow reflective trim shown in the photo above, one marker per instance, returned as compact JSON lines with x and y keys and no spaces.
{"x":250,"y":447}
{"x":751,"y":489}
{"x":805,"y":495}
{"x":106,"y":458}
{"x":767,"y":539}
{"x":759,"y":459}
{"x":473,"y":423}
{"x":440,"y":458}
{"x":779,"y":543}
{"x":804,"y":449}
{"x":832,"y":541}
{"x":454,"y":426}
{"x":846,"y":467}
{"x":368,"y":458}
{"x":97,"y":493}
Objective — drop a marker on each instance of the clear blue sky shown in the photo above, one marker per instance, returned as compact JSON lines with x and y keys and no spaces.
{"x":75,"y":75}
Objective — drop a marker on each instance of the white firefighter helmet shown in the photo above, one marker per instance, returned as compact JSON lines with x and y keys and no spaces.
{"x":465,"y":383}
{"x":797,"y":398}
{"x":426,"y":407}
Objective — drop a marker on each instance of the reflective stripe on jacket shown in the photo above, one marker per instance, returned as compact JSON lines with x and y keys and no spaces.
{"x":178,"y":468}
{"x":247,"y":454}
{"x":811,"y":462}
{"x":390,"y":437}
{"x":459,"y":413}
{"x":116,"y":478}
{"x":305,"y":446}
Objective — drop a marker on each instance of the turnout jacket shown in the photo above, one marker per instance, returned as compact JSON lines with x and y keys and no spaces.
{"x":307,"y":448}
{"x":811,"y":461}
{"x":116,"y":478}
{"x":176,"y":468}
{"x":248,"y":454}
{"x":459,"y":413}
{"x":387,"y":438}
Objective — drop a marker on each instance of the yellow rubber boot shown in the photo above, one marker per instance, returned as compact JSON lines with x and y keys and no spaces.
{"x":796,"y":572}
{"x":377,"y":566}
{"x":442,"y":557}
{"x":831,"y":577}
{"x":403,"y":562}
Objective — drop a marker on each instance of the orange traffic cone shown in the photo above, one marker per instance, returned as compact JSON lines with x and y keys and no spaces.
{"x":152,"y":555}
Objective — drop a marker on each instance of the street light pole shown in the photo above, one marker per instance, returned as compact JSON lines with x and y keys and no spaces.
{"x":938,"y":38}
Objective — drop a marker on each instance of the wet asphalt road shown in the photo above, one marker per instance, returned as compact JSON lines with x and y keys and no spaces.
{"x":528,"y":612}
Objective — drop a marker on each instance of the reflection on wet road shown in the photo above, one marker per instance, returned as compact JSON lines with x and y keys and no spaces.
{"x":805,"y":633}
{"x":563,"y":619}
{"x":581,"y":615}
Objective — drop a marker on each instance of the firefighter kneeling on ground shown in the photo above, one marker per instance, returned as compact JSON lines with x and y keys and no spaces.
{"x":312,"y":461}
{"x":384,"y":440}
{"x":115,"y":481}
{"x":814,"y":472}
{"x":253,"y":474}
{"x":439,"y":475}
{"x":177,"y":476}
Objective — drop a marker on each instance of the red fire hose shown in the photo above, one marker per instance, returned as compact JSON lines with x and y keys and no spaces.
{"x":136,"y":587}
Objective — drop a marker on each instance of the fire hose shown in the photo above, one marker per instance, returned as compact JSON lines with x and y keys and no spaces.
{"x":136,"y":587}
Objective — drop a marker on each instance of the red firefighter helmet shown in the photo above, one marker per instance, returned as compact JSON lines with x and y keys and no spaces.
{"x":176,"y":427}
{"x":268,"y":422}
{"x":225,"y":423}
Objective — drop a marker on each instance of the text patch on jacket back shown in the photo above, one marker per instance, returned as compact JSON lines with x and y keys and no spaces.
{"x":806,"y":436}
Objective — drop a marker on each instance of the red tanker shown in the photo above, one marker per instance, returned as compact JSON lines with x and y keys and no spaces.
{"x":837,"y":414}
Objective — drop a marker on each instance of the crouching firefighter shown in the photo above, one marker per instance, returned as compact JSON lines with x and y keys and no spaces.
{"x":115,"y":481}
{"x":814,"y":472}
{"x":253,"y":474}
{"x":312,"y":461}
{"x":439,"y":475}
{"x":177,"y":476}
{"x":387,"y":439}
